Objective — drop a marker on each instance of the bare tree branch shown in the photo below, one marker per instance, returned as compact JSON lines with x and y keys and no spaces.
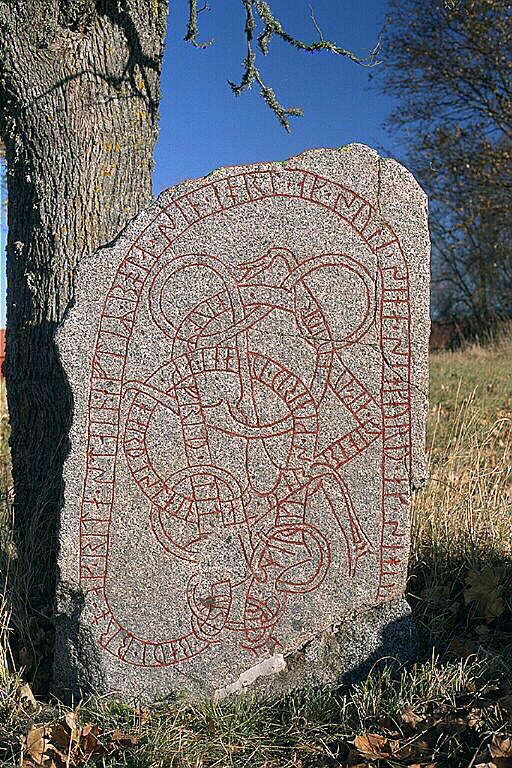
{"x":259,"y":13}
{"x":192,"y":27}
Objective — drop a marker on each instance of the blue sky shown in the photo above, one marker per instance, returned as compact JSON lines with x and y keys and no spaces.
{"x":204,"y":126}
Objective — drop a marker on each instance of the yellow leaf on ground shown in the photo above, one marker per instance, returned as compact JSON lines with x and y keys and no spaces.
{"x":501,"y":746}
{"x":375,"y":746}
{"x":37,"y":744}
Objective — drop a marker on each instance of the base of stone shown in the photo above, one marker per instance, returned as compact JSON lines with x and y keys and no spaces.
{"x":340,"y":655}
{"x":343,"y":654}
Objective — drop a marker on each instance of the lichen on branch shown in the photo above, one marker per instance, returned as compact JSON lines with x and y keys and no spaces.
{"x":259,"y":13}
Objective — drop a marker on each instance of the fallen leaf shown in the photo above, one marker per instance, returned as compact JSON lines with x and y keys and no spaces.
{"x":60,"y":737}
{"x":485,"y":589}
{"x":463,"y":647}
{"x":354,"y":760}
{"x":124,"y":740}
{"x":474,"y":717}
{"x":36,"y":743}
{"x":422,"y":765}
{"x":411,"y":717}
{"x":89,"y":743}
{"x":375,"y":746}
{"x":26,"y":698}
{"x":501,"y":746}
{"x":70,"y":719}
{"x":389,"y":725}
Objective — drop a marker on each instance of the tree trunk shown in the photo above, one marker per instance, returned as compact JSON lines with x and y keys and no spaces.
{"x":79,"y":89}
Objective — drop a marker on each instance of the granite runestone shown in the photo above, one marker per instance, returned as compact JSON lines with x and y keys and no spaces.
{"x":248,"y":364}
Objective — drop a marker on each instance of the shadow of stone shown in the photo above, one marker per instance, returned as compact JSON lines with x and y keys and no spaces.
{"x":77,"y":664}
{"x":392,"y":641}
{"x":451,"y":624}
{"x":347,"y":652}
{"x":40,"y":408}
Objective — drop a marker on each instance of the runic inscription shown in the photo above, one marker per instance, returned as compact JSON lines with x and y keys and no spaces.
{"x":225,"y":436}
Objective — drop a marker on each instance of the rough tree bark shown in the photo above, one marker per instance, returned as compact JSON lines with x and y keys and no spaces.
{"x":79,"y":93}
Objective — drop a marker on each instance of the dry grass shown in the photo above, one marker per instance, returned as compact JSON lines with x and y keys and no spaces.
{"x":5,"y":531}
{"x":462,"y":520}
{"x":5,"y":471}
{"x":460,"y":589}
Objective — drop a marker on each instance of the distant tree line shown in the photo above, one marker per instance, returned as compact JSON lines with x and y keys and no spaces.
{"x":449,"y":65}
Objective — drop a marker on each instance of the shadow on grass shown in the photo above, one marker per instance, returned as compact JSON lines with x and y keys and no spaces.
{"x":40,"y":407}
{"x":463,"y":606}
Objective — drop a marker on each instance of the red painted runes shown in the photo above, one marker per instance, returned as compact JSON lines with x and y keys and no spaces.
{"x":250,"y":466}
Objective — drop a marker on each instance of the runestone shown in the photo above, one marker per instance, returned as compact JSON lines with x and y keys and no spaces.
{"x":248,"y":365}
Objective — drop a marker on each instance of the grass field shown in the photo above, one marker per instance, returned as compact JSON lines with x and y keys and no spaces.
{"x":453,"y":708}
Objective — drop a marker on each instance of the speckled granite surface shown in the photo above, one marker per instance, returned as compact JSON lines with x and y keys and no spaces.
{"x":248,"y":363}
